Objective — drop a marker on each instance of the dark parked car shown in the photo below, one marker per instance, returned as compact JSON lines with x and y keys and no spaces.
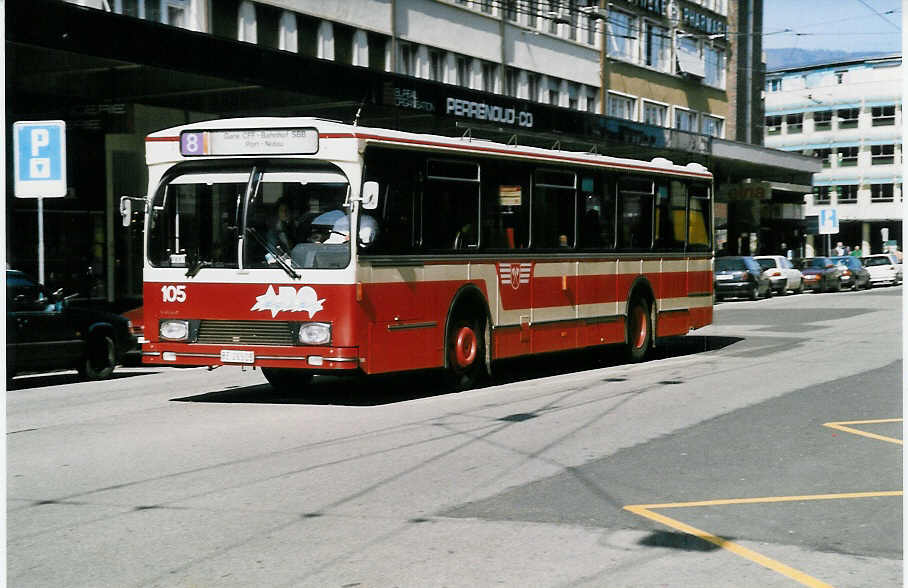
{"x":821,"y":274}
{"x":854,"y":274}
{"x":45,"y":332}
{"x":740,"y":276}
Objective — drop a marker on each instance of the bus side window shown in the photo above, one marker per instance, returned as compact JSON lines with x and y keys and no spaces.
{"x":671,"y":216}
{"x":635,"y":205}
{"x":451,"y":205}
{"x":400,"y":181}
{"x":554,"y":209}
{"x":505,"y":206}
{"x":597,"y":213}
{"x":699,"y":215}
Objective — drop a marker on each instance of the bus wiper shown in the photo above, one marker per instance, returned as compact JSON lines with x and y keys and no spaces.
{"x":196,"y":267}
{"x":278,"y":255}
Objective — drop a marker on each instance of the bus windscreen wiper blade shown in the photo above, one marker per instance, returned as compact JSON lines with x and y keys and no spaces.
{"x":278,"y":255}
{"x":196,"y":267}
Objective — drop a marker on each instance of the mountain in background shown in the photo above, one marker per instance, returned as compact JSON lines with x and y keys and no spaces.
{"x":783,"y":58}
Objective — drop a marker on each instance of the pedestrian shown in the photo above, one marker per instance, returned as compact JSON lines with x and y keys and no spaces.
{"x":839,"y":249}
{"x":856,"y":252}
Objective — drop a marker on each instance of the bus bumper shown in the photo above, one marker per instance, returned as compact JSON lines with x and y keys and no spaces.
{"x":312,"y":358}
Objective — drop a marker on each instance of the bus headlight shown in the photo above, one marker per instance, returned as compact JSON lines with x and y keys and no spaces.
{"x":174,"y":330}
{"x":315,"y":333}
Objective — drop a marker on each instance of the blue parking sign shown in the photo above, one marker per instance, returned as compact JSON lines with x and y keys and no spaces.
{"x":39,"y":156}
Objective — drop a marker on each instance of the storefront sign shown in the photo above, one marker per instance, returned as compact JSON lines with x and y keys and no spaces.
{"x":488,"y":112}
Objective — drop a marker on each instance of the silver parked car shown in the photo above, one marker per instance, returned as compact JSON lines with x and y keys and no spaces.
{"x":783,"y":276}
{"x":883,"y":269}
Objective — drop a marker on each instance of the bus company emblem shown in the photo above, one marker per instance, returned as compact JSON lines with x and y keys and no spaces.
{"x":288,"y":299}
{"x":515,"y":274}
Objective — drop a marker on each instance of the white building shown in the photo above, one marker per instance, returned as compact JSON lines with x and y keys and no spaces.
{"x":848,"y":115}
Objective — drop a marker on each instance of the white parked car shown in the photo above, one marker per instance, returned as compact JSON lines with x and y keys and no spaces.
{"x":783,"y":276}
{"x":884,"y":268}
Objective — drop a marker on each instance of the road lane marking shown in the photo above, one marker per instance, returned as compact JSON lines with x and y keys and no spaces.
{"x":840,"y":426}
{"x":645,"y":510}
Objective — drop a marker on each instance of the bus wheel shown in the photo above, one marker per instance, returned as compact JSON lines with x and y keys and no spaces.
{"x":639,"y":330}
{"x":466,"y":344}
{"x":287,"y":380}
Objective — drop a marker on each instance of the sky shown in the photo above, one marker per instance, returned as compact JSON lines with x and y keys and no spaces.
{"x":846,"y":25}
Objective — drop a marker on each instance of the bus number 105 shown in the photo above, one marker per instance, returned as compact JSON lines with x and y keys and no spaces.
{"x":173,"y":293}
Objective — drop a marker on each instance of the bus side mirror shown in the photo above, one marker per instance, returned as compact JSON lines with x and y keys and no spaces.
{"x":126,"y":208}
{"x":370,"y":195}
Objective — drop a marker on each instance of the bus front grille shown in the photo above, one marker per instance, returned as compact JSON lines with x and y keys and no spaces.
{"x":246,"y":332}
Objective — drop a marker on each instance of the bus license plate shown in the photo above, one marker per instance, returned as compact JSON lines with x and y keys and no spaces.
{"x":237,"y":356}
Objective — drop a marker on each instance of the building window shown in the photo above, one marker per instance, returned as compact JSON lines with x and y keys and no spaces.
{"x":847,"y":194}
{"x":621,"y":106}
{"x":591,"y":99}
{"x":510,"y":10}
{"x":883,"y":115}
{"x":686,"y":120}
{"x":463,"y":71}
{"x":553,"y":96}
{"x":532,"y":10}
{"x":554,"y":16}
{"x":654,"y":114}
{"x":247,"y":25}
{"x":510,"y":82}
{"x":774,"y":85}
{"x":489,"y":76}
{"x":848,"y":156}
{"x":882,"y":192}
{"x":822,"y":120}
{"x":712,"y":126}
{"x":882,"y":154}
{"x":848,"y":117}
{"x":288,"y":38}
{"x":325,"y":48}
{"x":823,"y":155}
{"x":773,"y":125}
{"x":621,"y":35}
{"x":821,"y":195}
{"x":485,"y":5}
{"x":794,"y":123}
{"x":406,"y":59}
{"x":436,"y":66}
{"x":656,"y":47}
{"x":715,"y":67}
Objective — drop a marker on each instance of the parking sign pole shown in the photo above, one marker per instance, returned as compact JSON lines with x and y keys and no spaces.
{"x":41,"y":240}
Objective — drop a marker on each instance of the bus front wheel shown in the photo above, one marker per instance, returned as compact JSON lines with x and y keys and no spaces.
{"x":287,"y":380}
{"x":466,"y":349}
{"x":639,"y":330}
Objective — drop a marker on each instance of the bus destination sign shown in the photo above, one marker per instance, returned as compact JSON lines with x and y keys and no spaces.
{"x":249,"y":142}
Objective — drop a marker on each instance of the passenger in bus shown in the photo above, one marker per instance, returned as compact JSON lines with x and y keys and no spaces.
{"x":283,"y":228}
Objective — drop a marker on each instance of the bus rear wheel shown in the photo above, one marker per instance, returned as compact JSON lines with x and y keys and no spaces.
{"x":639,"y":330}
{"x":287,"y":380}
{"x":466,"y":349}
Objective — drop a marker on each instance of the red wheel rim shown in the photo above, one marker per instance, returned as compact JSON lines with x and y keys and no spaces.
{"x":466,"y":346}
{"x":639,"y":327}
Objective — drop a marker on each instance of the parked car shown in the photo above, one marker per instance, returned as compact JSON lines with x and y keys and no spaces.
{"x":883,"y":269}
{"x":783,"y":276}
{"x":136,"y":318}
{"x":45,"y":332}
{"x":854,"y":274}
{"x":821,"y":274}
{"x":740,"y":276}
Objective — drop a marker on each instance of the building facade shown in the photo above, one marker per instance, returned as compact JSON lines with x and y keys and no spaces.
{"x":634,"y":78}
{"x":847,"y":115}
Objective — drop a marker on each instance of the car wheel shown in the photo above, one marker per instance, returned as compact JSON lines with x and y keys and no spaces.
{"x":800,"y":288}
{"x":100,"y":359}
{"x":769,"y":292}
{"x":754,"y":292}
{"x":287,"y":380}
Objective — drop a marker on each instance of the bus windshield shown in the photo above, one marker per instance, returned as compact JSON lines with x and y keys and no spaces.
{"x":289,"y":219}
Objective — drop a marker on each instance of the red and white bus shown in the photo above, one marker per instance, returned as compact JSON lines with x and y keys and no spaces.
{"x":464,"y":251}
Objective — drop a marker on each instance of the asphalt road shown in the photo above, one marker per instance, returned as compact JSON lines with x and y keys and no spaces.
{"x":764,"y":450}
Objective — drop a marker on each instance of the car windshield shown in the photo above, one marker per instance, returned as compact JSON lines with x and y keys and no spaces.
{"x":730,"y":264}
{"x":849,"y":262}
{"x":766,"y":264}
{"x":198,"y":216}
{"x":817,"y":262}
{"x":872,"y":261}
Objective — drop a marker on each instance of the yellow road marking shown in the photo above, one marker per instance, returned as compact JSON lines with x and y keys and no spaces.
{"x":644,"y":511}
{"x":841,"y":427}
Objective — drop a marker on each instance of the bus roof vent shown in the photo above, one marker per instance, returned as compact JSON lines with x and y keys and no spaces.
{"x":661,"y":161}
{"x":693,"y":166}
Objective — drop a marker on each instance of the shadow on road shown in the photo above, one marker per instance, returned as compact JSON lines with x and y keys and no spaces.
{"x":60,"y":379}
{"x":393,"y":388}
